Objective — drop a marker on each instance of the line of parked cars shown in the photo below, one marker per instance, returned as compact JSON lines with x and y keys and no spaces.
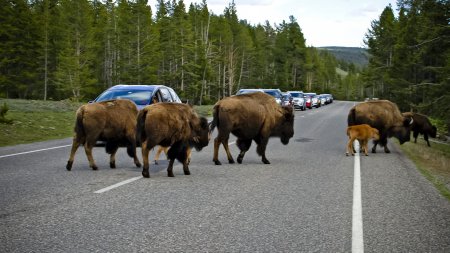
{"x":299,"y":100}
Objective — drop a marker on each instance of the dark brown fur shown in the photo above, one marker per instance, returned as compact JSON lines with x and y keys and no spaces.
{"x":362,"y":133}
{"x":255,"y":116}
{"x":173,"y":125}
{"x":384,"y":116}
{"x":111,"y":121}
{"x":421,"y":125}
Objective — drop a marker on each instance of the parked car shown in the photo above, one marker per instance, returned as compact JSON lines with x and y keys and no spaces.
{"x":141,"y":95}
{"x":287,"y":100}
{"x":299,"y":100}
{"x":308,"y":101}
{"x":314,"y":100}
{"x":323,"y":99}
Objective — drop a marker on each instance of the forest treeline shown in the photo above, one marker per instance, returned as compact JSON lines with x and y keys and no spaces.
{"x":59,"y":49}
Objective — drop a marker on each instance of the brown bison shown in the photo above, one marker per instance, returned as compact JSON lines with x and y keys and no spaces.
{"x":384,"y":116}
{"x":362,"y":133}
{"x":173,"y":125}
{"x":253,"y":116}
{"x":421,"y":125}
{"x":113,"y":122}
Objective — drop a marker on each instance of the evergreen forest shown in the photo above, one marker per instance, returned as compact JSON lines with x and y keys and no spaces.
{"x":75,"y":49}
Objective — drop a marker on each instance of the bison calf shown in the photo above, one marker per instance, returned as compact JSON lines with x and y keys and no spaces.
{"x":421,"y":125}
{"x":362,"y":133}
{"x":173,"y":125}
{"x":111,"y":121}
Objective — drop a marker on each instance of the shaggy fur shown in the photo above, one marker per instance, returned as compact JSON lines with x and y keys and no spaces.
{"x":111,"y":121}
{"x":254,"y":116}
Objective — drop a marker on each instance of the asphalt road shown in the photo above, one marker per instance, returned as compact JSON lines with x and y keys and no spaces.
{"x":301,"y":202}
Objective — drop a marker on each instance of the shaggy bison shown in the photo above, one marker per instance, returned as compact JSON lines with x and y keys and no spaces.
{"x":253,"y":116}
{"x":421,"y":125}
{"x":111,"y":121}
{"x":384,"y":116}
{"x":173,"y":125}
{"x":362,"y":133}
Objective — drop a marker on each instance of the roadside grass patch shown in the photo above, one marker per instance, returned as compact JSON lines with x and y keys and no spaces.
{"x":34,"y":120}
{"x":433,"y":162}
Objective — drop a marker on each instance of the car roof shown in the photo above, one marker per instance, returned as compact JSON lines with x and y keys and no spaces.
{"x":134,"y":87}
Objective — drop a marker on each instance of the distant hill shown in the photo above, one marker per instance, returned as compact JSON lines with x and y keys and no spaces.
{"x":356,"y":55}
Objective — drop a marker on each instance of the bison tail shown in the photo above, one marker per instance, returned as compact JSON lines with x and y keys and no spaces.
{"x":140,"y":127}
{"x":79,"y":127}
{"x":351,"y":119}
{"x":215,"y":121}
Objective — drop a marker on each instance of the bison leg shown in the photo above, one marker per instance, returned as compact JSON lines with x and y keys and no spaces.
{"x":75,"y":145}
{"x":88,"y":150}
{"x":145,"y":152}
{"x":415,"y":134}
{"x":159,"y":151}
{"x":216,"y":151}
{"x":261,"y":149}
{"x":186,"y":167}
{"x":244,"y":146}
{"x":112,"y":158}
{"x":425,"y":137}
{"x":227,"y":149}
{"x":350,"y":148}
{"x":170,"y":168}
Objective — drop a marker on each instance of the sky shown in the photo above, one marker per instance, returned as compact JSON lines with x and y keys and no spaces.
{"x":323,"y":22}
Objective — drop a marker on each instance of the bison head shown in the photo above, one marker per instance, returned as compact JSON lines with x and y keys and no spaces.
{"x":403,"y":133}
{"x":201,"y":134}
{"x":286,"y":129}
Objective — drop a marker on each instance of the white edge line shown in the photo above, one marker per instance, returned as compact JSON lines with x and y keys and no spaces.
{"x":357,"y":223}
{"x":118,"y":184}
{"x":34,"y":151}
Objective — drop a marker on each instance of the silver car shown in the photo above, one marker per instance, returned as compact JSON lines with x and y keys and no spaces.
{"x":298,"y":99}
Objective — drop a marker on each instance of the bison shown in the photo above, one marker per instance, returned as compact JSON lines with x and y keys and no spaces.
{"x":421,"y":125}
{"x":362,"y":133}
{"x":173,"y":125}
{"x":253,"y":116}
{"x":113,"y":122}
{"x":384,"y":116}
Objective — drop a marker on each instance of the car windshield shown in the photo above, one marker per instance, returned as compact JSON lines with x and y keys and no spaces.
{"x":272,"y":93}
{"x":140,"y":97}
{"x":297,"y":95}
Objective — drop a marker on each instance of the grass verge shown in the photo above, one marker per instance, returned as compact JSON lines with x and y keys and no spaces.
{"x":433,"y":162}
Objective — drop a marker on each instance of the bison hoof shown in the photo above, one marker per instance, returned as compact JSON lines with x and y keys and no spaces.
{"x":387,"y":151}
{"x":138,"y":165}
{"x":346,"y":154}
{"x":217,"y":162}
{"x":170,"y":174}
{"x":145,"y":174}
{"x":232,"y":161}
{"x":187,"y":172}
{"x":374,"y":151}
{"x":112,"y":165}
{"x":94,"y":168}
{"x":265,"y":161}
{"x":69,"y":165}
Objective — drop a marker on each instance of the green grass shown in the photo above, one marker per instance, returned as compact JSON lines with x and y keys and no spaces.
{"x":433,"y":162}
{"x":34,"y":120}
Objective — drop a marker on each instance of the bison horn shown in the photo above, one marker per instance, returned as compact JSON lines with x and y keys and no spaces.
{"x":412,"y":120}
{"x":196,"y":139}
